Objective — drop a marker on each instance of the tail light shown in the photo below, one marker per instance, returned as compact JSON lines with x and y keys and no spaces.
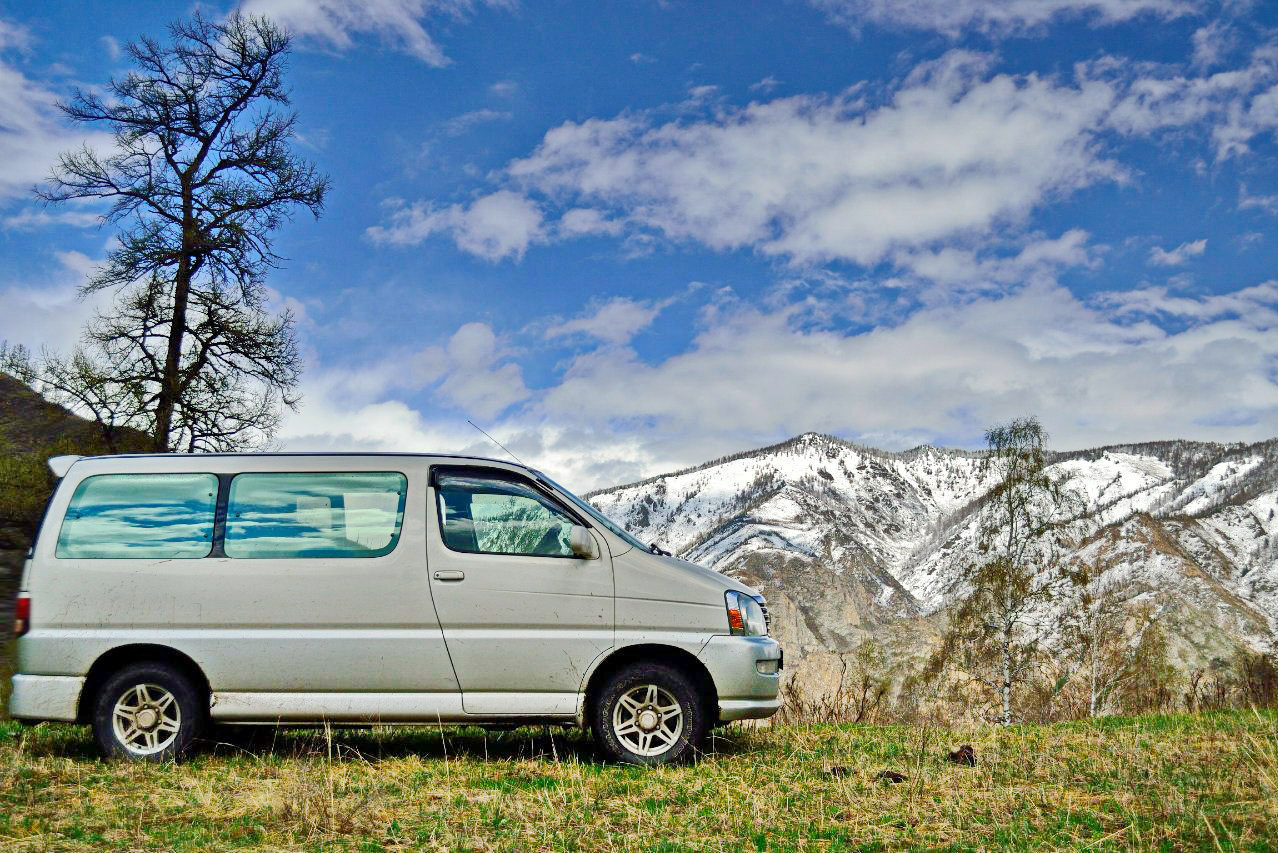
{"x":21,"y":616}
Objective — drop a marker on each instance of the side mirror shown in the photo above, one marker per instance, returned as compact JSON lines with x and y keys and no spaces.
{"x":583,"y":544}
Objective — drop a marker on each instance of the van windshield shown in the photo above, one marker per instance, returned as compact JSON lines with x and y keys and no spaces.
{"x":589,"y":510}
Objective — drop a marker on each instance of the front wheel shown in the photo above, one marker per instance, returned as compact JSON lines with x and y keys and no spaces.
{"x":147,"y":712}
{"x":649,"y":713}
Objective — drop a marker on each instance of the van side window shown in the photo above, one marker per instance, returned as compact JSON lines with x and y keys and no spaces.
{"x":493,"y":515}
{"x":355,"y":514}
{"x":148,"y":516}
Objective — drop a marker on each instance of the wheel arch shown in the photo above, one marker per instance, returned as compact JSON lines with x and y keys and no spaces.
{"x":121,"y":656}
{"x":682,"y":659}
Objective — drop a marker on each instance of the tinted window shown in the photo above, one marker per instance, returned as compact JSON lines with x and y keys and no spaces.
{"x":493,"y":515}
{"x":165,"y":516}
{"x":315,"y":515}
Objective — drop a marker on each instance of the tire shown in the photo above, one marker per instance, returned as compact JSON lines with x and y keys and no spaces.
{"x":148,"y":712}
{"x":637,"y":706}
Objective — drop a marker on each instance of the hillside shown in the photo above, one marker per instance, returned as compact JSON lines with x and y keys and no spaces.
{"x":31,"y":430}
{"x":848,"y":541}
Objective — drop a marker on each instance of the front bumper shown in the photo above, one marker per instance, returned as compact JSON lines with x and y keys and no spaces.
{"x":45,"y":697}
{"x":744,"y":692}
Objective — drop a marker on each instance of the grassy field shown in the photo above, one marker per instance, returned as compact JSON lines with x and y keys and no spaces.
{"x":1179,"y":782}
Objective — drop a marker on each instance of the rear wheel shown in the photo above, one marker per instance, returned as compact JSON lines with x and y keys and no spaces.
{"x":649,"y":713}
{"x":148,"y":712}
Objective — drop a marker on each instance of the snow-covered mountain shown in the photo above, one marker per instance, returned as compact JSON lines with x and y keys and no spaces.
{"x":848,"y":541}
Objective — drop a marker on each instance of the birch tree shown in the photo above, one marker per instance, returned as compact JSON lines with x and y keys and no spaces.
{"x":1102,"y":638}
{"x":1013,"y":574}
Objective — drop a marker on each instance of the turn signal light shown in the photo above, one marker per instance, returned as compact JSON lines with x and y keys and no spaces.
{"x":21,"y":616}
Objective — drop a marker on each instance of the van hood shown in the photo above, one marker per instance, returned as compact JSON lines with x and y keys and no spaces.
{"x":642,"y":574}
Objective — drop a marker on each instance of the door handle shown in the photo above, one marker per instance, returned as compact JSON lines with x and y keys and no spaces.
{"x":450,"y":575}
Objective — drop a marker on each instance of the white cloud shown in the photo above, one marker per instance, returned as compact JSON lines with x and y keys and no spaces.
{"x":32,"y":133}
{"x":111,"y":46}
{"x":641,"y":58}
{"x":1212,"y":43}
{"x":1038,"y":258}
{"x":457,"y":125}
{"x":999,"y":17}
{"x":49,"y":312}
{"x":14,"y":36}
{"x":493,"y":227}
{"x":1096,"y":372}
{"x":1161,"y":257}
{"x":944,"y":373}
{"x":31,"y":218}
{"x":820,"y":178}
{"x":1233,"y":105}
{"x":950,"y":158}
{"x":479,"y":380}
{"x":585,"y":221}
{"x":1256,"y":201}
{"x":398,"y":23}
{"x":1256,"y":305}
{"x":358,"y":407}
{"x":613,"y":321}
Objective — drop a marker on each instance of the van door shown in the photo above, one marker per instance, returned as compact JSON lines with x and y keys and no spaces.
{"x":522,"y":617}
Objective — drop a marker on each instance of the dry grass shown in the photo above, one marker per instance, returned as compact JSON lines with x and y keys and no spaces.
{"x":1179,"y":782}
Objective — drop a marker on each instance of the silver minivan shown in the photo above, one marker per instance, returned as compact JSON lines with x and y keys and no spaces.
{"x":168,"y":592}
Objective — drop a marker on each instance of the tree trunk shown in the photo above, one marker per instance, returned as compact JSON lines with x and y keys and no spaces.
{"x":1093,"y":706}
{"x":1007,"y":682}
{"x":170,"y":386}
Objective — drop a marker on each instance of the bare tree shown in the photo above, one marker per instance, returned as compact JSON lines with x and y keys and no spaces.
{"x":1023,"y":526}
{"x":200,"y":175}
{"x":1102,"y":637}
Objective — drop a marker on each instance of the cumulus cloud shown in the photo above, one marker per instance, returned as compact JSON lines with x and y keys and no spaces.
{"x":613,"y":321}
{"x":397,"y":23}
{"x":1230,"y":106}
{"x":361,"y":407}
{"x":32,"y":218}
{"x":585,"y":221}
{"x":981,"y":267}
{"x":14,"y":36}
{"x":997,"y":17}
{"x":48,"y":312}
{"x":1097,"y":371}
{"x":1212,"y":43}
{"x":496,"y":226}
{"x":1256,"y":305}
{"x":812,"y":178}
{"x":1161,"y":257}
{"x":947,"y":371}
{"x":947,"y":158}
{"x":479,"y":380}
{"x":460,"y":124}
{"x":31,"y":132}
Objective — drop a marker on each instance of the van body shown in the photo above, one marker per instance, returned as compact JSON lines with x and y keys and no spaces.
{"x":167,"y":592}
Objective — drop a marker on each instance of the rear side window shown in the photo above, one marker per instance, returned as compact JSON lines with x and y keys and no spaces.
{"x":315,"y":515}
{"x":155,"y":516}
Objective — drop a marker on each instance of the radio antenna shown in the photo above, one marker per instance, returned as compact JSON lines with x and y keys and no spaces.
{"x":496,"y":442}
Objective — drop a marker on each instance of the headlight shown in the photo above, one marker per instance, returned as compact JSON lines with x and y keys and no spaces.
{"x":745,"y":615}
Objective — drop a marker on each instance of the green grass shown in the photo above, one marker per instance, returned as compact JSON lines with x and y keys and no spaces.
{"x":1168,"y":783}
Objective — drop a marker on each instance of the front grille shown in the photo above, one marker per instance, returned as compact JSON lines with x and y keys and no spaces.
{"x":767,"y":617}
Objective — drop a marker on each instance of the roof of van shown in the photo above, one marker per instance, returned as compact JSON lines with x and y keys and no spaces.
{"x":302,"y":453}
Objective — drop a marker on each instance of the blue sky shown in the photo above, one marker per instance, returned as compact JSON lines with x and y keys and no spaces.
{"x":625,"y":236}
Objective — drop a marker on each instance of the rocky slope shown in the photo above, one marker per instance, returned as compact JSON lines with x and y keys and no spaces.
{"x":848,"y":541}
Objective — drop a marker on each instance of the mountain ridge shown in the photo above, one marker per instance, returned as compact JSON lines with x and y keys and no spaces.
{"x":850,"y":541}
